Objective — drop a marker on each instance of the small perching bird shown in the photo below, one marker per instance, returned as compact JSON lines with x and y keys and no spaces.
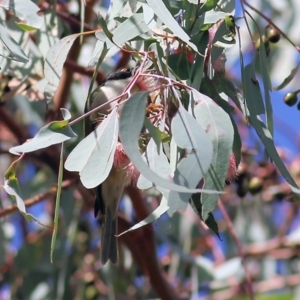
{"x":109,"y":192}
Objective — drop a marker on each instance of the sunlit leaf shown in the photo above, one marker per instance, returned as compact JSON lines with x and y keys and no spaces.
{"x":26,"y":11}
{"x":189,"y":135}
{"x":93,"y":156}
{"x":54,"y":63}
{"x":161,"y":209}
{"x":166,"y":17}
{"x":11,"y":186}
{"x":12,"y":46}
{"x":131,"y":123}
{"x":287,"y":80}
{"x":220,"y":131}
{"x":53,"y":133}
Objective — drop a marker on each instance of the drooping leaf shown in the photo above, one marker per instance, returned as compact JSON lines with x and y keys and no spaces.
{"x":11,"y":186}
{"x":131,"y":123}
{"x":220,"y":131}
{"x":166,"y":17}
{"x":265,"y":72}
{"x":53,"y":133}
{"x":57,"y":202}
{"x":12,"y":46}
{"x":157,"y":162}
{"x":288,"y":79}
{"x":268,"y":142}
{"x":161,"y":209}
{"x":93,"y":156}
{"x":252,"y":92}
{"x":54,"y":63}
{"x":26,"y":10}
{"x":189,"y":135}
{"x":196,"y":204}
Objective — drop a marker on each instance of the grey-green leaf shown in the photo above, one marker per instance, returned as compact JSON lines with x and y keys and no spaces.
{"x":166,"y":17}
{"x":220,"y":131}
{"x":54,"y":63}
{"x":26,"y":11}
{"x":189,"y":135}
{"x":12,"y":46}
{"x":131,"y":123}
{"x":93,"y":156}
{"x":53,"y":133}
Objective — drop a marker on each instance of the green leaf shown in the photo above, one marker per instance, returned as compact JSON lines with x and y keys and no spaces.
{"x":93,"y":156}
{"x":287,"y":80}
{"x":57,"y":202}
{"x":196,"y":204}
{"x":264,"y":69}
{"x":180,"y":65}
{"x":54,"y":63}
{"x":252,"y":91}
{"x":268,"y":142}
{"x":12,"y":46}
{"x":26,"y":11}
{"x":131,"y":123}
{"x":25,"y":27}
{"x":155,"y":133}
{"x":220,"y":131}
{"x":166,"y":17}
{"x":53,"y":133}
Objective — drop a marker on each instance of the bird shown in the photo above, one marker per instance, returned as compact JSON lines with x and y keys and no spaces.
{"x":109,"y":192}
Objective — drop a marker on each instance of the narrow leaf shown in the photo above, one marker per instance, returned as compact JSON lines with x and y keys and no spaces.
{"x":57,"y":202}
{"x":288,"y":79}
{"x":161,"y":209}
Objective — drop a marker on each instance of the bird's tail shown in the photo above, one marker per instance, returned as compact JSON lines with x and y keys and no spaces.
{"x":109,"y":243}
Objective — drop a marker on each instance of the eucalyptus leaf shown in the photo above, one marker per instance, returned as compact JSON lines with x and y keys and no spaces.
{"x":252,"y":92}
{"x":26,"y":10}
{"x":54,"y":63}
{"x":220,"y":131}
{"x":161,"y":209}
{"x":11,"y":186}
{"x":53,"y":133}
{"x":288,"y":79}
{"x":131,"y":123}
{"x":268,"y":142}
{"x":189,"y":135}
{"x":157,"y":162}
{"x":93,"y":156}
{"x":12,"y":46}
{"x":166,"y":17}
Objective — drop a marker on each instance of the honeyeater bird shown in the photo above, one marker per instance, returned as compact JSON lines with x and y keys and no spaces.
{"x":109,"y":192}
